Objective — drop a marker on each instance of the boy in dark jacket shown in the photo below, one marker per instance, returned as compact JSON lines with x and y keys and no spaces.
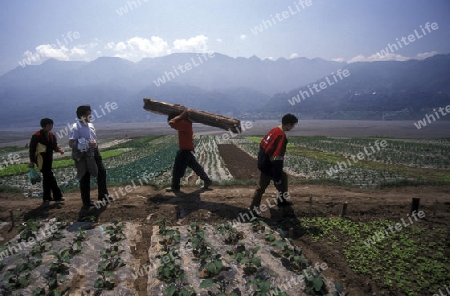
{"x":41,"y":148}
{"x":270,"y":162}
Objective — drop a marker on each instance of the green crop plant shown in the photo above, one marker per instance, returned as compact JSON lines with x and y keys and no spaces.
{"x":164,"y":225}
{"x":43,"y":292}
{"x":415,"y":251}
{"x":17,"y":277}
{"x":77,"y":246}
{"x":28,"y":230}
{"x":262,"y":287}
{"x":200,"y":248}
{"x":232,"y":236}
{"x":115,"y":231}
{"x":211,"y":266}
{"x":104,"y":282}
{"x":315,"y":283}
{"x":170,"y":237}
{"x":111,"y":258}
{"x":258,"y":225}
{"x":219,"y":285}
{"x":293,"y":257}
{"x":169,"y":270}
{"x":39,"y":248}
{"x":62,"y":259}
{"x":246,"y":258}
{"x":179,"y":287}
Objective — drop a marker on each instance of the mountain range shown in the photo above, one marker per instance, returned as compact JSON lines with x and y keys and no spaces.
{"x":237,"y":87}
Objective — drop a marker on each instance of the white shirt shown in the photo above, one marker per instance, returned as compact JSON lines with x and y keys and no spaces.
{"x":83,"y":133}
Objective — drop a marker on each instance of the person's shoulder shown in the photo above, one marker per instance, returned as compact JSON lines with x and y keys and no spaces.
{"x":185,"y":123}
{"x":35,"y":135}
{"x":276,"y":131}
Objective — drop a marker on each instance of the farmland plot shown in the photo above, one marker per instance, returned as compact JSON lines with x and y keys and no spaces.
{"x":209,"y":157}
{"x":150,"y":160}
{"x":417,"y":153}
{"x":311,"y":165}
{"x":239,"y":259}
{"x":145,"y":161}
{"x":55,"y":255}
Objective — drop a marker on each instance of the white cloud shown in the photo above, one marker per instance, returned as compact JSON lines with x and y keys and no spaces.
{"x":376,"y":58}
{"x":391,"y":57}
{"x":154,"y":47}
{"x":268,"y":58}
{"x":50,"y":51}
{"x":219,"y":40}
{"x":137,"y":48}
{"x":194,"y":44}
{"x":293,"y":56}
{"x":424,"y":55}
{"x":120,"y":46}
{"x":109,"y":45}
{"x":340,"y":60}
{"x":78,"y":51}
{"x":243,"y":37}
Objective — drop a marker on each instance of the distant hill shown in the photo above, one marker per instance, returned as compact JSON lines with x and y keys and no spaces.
{"x":395,"y":90}
{"x":212,"y":82}
{"x":238,"y":87}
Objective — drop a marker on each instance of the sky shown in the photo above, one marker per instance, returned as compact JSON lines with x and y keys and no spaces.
{"x":33,"y":31}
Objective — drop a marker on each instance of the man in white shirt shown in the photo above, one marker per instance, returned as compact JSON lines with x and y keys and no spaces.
{"x":83,"y":141}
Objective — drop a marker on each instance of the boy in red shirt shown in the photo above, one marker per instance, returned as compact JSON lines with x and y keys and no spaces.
{"x":270,"y":163}
{"x":185,"y":156}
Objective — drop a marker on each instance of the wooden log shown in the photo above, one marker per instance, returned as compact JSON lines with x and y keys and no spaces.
{"x":203,"y":117}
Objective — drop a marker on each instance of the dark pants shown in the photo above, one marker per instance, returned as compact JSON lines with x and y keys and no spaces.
{"x":184,"y":159}
{"x":85,"y":182}
{"x":49,"y":184}
{"x":264,"y":181}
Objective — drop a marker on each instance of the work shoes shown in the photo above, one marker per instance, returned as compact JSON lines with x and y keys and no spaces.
{"x":206,"y":184}
{"x":174,"y":190}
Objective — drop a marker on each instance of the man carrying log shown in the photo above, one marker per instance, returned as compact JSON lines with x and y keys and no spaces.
{"x":185,"y":156}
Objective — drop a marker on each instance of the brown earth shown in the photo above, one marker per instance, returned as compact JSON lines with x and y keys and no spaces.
{"x":145,"y":205}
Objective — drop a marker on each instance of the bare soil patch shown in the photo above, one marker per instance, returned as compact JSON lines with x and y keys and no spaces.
{"x":241,"y":165}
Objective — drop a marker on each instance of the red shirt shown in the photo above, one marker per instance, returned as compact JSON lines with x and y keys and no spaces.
{"x":185,"y":134}
{"x":274,"y":144}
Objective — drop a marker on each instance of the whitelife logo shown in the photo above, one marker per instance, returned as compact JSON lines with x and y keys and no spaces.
{"x":411,"y":38}
{"x":37,"y":56}
{"x":423,"y":122}
{"x":380,"y":235}
{"x":272,"y":21}
{"x":341,"y":165}
{"x":94,"y":114}
{"x":183,"y":68}
{"x":322,"y":85}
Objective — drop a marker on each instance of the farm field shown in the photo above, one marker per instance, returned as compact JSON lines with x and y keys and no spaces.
{"x":375,"y":178}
